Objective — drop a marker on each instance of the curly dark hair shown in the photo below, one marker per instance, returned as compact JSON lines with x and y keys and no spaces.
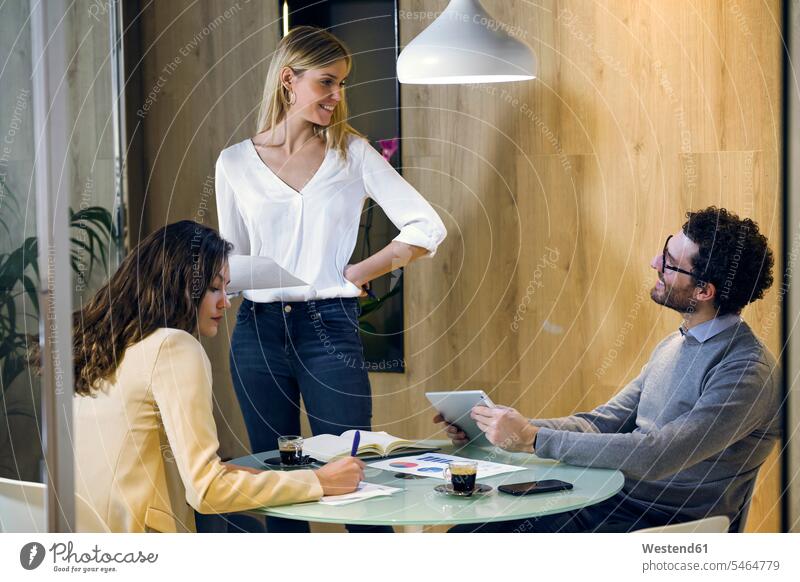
{"x":159,"y":284}
{"x":733,"y":255}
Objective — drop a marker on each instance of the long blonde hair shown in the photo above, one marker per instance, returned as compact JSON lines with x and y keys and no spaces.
{"x":304,"y":48}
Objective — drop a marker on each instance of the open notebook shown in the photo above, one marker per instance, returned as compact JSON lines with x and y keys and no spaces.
{"x":326,"y":447}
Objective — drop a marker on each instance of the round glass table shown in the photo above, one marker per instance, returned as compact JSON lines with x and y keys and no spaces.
{"x":418,"y":504}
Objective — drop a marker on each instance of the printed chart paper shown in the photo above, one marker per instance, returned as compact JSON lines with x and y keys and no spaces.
{"x":434,"y":464}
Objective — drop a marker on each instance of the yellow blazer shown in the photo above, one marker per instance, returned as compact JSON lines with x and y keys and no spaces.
{"x":146,"y":446}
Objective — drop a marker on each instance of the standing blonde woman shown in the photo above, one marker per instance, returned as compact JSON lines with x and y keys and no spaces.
{"x":295,"y":193}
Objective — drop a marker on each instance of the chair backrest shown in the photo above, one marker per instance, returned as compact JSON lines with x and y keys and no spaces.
{"x":716,"y":524}
{"x":22,"y":506}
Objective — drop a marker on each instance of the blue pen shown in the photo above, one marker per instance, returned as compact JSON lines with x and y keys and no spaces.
{"x":356,"y":441}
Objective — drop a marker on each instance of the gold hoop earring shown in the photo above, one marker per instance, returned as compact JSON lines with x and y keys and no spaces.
{"x":292,"y":97}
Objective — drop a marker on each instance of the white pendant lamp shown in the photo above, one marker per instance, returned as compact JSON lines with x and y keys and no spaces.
{"x":465,"y":45}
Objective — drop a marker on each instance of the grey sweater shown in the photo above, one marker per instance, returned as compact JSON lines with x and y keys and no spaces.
{"x":689,"y":433}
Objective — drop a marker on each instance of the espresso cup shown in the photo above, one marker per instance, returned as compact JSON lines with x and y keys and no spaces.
{"x":291,"y":449}
{"x":462,"y":476}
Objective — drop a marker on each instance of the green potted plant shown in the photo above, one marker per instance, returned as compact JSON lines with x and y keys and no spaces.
{"x":92,"y":234}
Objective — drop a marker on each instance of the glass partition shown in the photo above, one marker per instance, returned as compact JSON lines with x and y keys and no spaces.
{"x":20,"y":442}
{"x":60,"y":209}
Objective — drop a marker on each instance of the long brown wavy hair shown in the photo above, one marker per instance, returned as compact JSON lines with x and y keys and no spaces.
{"x":159,"y":284}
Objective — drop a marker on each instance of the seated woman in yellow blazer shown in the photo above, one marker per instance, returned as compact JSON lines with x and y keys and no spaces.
{"x":145,"y":439}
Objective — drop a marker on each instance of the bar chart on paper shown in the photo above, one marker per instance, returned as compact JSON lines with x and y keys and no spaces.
{"x":433,"y":465}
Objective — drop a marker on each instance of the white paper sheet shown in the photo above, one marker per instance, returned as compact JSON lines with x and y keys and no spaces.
{"x":259,"y":273}
{"x":434,"y":464}
{"x":365,"y":491}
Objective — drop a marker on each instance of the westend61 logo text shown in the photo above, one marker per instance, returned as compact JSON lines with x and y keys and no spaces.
{"x":66,"y":559}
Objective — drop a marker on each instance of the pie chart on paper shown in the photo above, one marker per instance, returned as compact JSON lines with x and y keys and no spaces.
{"x":403,"y":465}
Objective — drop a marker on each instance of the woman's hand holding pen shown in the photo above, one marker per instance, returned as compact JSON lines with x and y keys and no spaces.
{"x":342,"y":476}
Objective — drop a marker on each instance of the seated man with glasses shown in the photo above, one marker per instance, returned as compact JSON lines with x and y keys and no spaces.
{"x":691,"y":431}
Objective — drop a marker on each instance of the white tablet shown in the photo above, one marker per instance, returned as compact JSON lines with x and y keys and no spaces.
{"x":455,"y":408}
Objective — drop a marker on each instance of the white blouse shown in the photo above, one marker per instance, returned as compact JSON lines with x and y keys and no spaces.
{"x":312,"y":233}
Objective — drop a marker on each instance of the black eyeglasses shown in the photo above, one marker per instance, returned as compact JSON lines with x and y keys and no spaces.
{"x":665,"y":266}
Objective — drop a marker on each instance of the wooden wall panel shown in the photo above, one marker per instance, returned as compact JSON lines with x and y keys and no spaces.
{"x":202,"y":71}
{"x":642,"y":111}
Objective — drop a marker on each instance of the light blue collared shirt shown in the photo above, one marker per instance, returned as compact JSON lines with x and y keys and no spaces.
{"x":708,"y":329}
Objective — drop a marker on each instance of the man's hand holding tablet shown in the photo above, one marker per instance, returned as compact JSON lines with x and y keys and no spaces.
{"x":454,"y":409}
{"x":458,"y":436}
{"x":505,"y":428}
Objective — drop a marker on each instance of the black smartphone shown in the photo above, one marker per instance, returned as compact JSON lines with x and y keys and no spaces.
{"x":532,"y":487}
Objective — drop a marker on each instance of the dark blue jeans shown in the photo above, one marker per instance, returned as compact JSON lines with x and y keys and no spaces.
{"x":282,"y":351}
